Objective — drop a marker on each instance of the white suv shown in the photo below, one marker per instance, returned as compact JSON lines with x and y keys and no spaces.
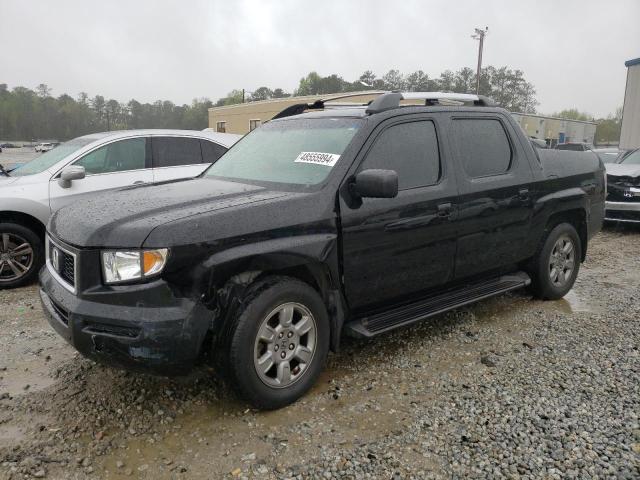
{"x":79,"y":168}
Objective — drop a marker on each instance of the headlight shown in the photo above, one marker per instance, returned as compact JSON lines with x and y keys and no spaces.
{"x":128,"y":265}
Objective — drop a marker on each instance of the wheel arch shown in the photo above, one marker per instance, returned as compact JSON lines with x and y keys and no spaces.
{"x":577,"y":217}
{"x":312,"y":259}
{"x":24,"y":219}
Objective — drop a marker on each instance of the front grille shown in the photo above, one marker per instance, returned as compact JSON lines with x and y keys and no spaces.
{"x":62,"y":262}
{"x":68,"y":271}
{"x":619,"y":189}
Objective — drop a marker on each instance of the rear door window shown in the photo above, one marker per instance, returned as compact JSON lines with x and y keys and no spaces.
{"x":175,"y":151}
{"x":211,"y":151}
{"x":482,"y":146}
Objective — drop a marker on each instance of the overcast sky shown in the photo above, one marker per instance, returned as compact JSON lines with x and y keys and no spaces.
{"x":572,"y":51}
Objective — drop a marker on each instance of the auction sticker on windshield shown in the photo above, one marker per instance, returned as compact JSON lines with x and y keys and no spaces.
{"x":317,"y":158}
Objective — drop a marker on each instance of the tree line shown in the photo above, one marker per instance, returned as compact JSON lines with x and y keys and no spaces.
{"x":27,"y":114}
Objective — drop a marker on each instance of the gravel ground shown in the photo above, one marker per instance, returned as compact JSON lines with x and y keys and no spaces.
{"x":509,"y":387}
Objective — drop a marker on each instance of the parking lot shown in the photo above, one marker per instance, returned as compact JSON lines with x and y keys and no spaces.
{"x":509,"y":387}
{"x":12,"y":156}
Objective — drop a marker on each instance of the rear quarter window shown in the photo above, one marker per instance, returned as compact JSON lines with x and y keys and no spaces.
{"x":482,"y":146}
{"x":211,"y":151}
{"x":175,"y":151}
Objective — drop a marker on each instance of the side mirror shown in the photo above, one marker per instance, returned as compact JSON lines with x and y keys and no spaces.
{"x":376,"y":184}
{"x":74,"y":172}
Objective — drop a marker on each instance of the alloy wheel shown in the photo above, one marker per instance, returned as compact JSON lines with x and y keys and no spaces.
{"x":285,"y":345}
{"x":16,"y":257}
{"x":562,"y":261}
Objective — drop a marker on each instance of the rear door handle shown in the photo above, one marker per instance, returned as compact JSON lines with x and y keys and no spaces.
{"x":444,"y":210}
{"x":138,"y":182}
{"x":523,"y":193}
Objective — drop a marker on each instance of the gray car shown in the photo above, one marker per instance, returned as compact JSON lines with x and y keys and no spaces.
{"x":623,"y":189}
{"x":81,"y":167}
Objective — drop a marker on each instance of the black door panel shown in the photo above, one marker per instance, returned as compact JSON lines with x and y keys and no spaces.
{"x":494,"y":207}
{"x":397,"y":248}
{"x":394,"y":248}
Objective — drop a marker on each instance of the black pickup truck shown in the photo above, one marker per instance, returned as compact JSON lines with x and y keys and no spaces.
{"x":324,"y":221}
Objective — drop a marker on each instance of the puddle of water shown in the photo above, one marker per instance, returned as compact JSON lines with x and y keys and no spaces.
{"x":27,"y":377}
{"x":573,"y":303}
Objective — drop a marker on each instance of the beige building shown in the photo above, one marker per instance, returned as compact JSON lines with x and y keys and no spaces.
{"x":556,"y":130}
{"x":244,"y":117}
{"x":630,"y":133}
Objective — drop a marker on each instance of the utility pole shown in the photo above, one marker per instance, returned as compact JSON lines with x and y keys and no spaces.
{"x":479,"y":35}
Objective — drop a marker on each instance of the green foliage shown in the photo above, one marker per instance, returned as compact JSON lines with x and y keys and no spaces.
{"x":573,"y":114}
{"x":608,"y":129}
{"x":31,"y":115}
{"x":508,"y":87}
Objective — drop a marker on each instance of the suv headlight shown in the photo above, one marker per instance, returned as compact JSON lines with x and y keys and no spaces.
{"x":129,"y":265}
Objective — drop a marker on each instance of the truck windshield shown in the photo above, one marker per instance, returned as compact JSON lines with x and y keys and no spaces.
{"x":50,"y":158}
{"x":296,"y":152}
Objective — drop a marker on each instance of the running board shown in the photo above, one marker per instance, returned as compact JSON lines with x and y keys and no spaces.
{"x":375,"y":324}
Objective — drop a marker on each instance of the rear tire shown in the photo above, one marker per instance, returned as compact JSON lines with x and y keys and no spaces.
{"x":555,"y":268}
{"x":21,"y":255}
{"x":278,"y":342}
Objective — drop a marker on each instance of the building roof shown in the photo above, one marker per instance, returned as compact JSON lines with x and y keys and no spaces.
{"x":547,"y":117}
{"x":327,"y":97}
{"x":633,"y":61}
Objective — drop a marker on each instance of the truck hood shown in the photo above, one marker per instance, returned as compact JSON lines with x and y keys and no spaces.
{"x":622,"y":170}
{"x":124,"y":218}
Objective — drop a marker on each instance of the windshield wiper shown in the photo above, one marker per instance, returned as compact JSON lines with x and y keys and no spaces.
{"x":3,"y":171}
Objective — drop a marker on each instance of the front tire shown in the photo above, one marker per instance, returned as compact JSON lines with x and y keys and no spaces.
{"x":556,"y":266}
{"x":278,"y":343}
{"x":21,"y":255}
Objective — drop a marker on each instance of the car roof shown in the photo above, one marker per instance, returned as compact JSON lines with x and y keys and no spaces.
{"x":225,"y":139}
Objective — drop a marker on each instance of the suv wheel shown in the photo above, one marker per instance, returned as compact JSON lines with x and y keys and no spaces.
{"x":278,"y":343}
{"x":21,"y":255}
{"x":556,"y":266}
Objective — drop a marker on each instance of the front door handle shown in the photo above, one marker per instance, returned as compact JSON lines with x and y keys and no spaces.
{"x":138,"y":182}
{"x":444,"y":210}
{"x":523,"y":193}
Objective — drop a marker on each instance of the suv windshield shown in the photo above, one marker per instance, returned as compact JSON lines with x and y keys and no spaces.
{"x":631,"y":159}
{"x":293,"y":152}
{"x":50,"y":158}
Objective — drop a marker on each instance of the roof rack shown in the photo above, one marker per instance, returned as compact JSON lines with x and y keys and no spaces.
{"x":299,"y":108}
{"x":391,"y":100}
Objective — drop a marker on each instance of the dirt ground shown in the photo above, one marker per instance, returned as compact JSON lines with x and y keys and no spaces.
{"x":405,"y":405}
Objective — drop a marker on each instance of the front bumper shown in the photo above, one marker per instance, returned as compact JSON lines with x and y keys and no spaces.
{"x":146,"y":336}
{"x":622,"y":211}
